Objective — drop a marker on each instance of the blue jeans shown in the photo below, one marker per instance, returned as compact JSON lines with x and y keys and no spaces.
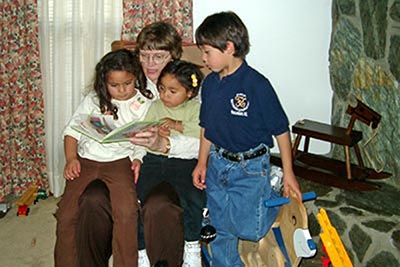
{"x":236,"y":192}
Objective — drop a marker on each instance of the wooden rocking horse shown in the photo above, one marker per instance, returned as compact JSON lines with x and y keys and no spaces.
{"x":330,"y":171}
{"x":288,"y":240}
{"x":285,"y":244}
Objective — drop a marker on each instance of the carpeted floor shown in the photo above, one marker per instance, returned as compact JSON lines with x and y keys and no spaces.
{"x":29,"y":240}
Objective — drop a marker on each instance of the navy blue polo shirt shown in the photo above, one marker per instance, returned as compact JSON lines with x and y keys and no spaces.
{"x":241,"y":110}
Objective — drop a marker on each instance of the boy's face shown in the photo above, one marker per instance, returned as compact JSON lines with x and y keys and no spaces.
{"x":153,"y":61}
{"x":214,"y":59}
{"x":172,"y":92}
{"x":121,"y":85}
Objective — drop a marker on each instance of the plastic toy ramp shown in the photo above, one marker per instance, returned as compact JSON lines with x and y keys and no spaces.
{"x":332,"y":242}
{"x":29,"y":197}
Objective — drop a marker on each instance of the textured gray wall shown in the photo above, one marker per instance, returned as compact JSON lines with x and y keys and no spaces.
{"x":365,"y":63}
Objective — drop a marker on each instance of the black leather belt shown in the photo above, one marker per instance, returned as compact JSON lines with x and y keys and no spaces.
{"x":241,"y":156}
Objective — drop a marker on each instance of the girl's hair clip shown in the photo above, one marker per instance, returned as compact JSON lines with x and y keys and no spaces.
{"x":194,"y":80}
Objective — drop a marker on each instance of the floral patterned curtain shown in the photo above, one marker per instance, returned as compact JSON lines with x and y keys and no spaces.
{"x":22,"y":134}
{"x":139,"y":13}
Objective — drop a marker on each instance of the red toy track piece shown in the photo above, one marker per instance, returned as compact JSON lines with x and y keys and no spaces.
{"x":325,"y":260}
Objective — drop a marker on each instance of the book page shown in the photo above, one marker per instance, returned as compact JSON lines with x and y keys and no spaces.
{"x":94,"y":127}
{"x":103,"y":129}
{"x":123,"y":133}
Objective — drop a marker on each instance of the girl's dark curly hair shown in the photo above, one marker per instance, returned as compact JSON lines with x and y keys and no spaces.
{"x":187,"y":74}
{"x":119,"y":60}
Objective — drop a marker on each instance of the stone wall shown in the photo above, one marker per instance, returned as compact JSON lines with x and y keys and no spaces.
{"x":365,"y":64}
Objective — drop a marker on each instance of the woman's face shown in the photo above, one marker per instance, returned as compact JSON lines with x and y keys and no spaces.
{"x":153,"y":61}
{"x":121,"y":85}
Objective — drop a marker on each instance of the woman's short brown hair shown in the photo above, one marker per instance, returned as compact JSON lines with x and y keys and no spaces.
{"x":160,"y":36}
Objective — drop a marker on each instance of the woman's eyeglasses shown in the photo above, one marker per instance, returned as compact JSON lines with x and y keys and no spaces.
{"x":157,"y":58}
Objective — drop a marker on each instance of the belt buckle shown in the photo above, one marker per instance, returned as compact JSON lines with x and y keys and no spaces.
{"x":256,"y":153}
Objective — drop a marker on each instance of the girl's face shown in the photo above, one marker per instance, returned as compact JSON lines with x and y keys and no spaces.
{"x":172,"y":93}
{"x":121,"y":84}
{"x":153,"y":61}
{"x":214,"y":59}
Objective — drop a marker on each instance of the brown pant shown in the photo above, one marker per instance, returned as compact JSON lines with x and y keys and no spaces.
{"x":118,"y":177}
{"x":163,"y":226}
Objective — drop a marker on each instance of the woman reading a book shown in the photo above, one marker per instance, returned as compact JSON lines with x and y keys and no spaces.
{"x":118,"y":83}
{"x":157,"y":44}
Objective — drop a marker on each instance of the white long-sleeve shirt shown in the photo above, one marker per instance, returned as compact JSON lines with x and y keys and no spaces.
{"x":183,"y":147}
{"x":133,"y":109}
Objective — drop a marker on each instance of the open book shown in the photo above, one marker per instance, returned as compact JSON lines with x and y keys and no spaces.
{"x":103,"y":129}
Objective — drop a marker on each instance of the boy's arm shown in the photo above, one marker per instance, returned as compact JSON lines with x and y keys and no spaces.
{"x":72,"y":167}
{"x":199,"y":172}
{"x":289,"y":179}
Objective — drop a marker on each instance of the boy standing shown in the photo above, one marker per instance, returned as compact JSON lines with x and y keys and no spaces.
{"x":240,"y":112}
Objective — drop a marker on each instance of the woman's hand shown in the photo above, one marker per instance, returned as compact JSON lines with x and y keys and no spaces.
{"x":150,"y":139}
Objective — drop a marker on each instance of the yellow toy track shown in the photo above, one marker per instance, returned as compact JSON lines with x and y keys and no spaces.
{"x":332,"y":242}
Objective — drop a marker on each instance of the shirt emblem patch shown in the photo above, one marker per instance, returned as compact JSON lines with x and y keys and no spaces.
{"x":240,"y":104}
{"x":136,"y":104}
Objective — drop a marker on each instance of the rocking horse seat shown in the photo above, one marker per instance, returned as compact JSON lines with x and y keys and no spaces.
{"x":326,"y":132}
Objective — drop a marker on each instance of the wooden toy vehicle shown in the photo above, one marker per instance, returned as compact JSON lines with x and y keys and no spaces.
{"x":23,"y":210}
{"x":288,"y":240}
{"x":27,"y":199}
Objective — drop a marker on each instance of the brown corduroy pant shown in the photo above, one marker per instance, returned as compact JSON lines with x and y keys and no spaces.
{"x":118,"y":178}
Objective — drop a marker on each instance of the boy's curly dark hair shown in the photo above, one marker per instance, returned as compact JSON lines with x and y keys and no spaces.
{"x":217,"y":29}
{"x":187,"y":74}
{"x":119,"y":60}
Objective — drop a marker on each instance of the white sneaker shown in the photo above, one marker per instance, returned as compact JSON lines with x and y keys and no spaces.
{"x":143,"y":260}
{"x":192,"y":254}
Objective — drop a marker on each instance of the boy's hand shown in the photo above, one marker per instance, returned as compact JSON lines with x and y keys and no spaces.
{"x":135,"y":167}
{"x":199,"y":177}
{"x":72,"y":169}
{"x":290,"y":184}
